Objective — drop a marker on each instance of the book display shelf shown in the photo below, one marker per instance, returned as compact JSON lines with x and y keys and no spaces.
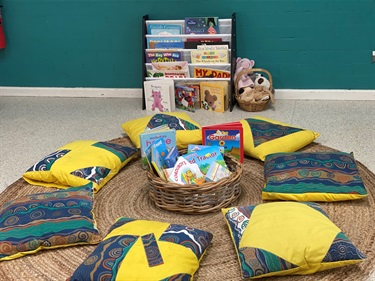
{"x":183,"y":45}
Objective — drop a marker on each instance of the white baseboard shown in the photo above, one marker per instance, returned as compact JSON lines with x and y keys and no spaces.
{"x":295,"y":94}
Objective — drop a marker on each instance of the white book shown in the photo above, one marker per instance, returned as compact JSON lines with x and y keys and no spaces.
{"x":159,"y":95}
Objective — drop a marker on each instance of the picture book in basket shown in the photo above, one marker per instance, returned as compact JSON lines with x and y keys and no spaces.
{"x":227,"y":135}
{"x":150,"y":136}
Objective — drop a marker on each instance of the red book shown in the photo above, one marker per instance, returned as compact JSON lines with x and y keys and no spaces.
{"x":228,"y":135}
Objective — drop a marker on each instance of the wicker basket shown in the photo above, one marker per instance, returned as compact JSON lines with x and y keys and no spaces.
{"x":196,"y":199}
{"x":252,"y":105}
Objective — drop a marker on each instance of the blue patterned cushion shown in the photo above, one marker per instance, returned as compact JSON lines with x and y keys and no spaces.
{"x":287,"y":238}
{"x":34,"y":222}
{"x":314,"y":176}
{"x":145,"y":250}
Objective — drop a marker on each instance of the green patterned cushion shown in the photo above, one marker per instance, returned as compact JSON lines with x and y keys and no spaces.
{"x":40,"y":221}
{"x":314,"y":176}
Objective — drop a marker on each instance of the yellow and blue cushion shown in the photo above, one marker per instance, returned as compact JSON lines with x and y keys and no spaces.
{"x":314,"y":176}
{"x":263,"y":136}
{"x":287,"y":238}
{"x":145,"y":250}
{"x":51,"y":220}
{"x":187,"y":130}
{"x":79,"y":163}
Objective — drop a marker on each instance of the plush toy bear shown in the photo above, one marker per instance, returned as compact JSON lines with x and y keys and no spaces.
{"x":157,"y":101}
{"x":210,"y":99}
{"x":245,"y":80}
{"x":262,"y":81}
{"x":258,"y":93}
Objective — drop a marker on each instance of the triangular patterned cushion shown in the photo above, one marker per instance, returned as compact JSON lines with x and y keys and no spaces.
{"x":263,"y":136}
{"x":145,"y":250}
{"x":187,"y":130}
{"x":287,"y":238}
{"x":79,"y":163}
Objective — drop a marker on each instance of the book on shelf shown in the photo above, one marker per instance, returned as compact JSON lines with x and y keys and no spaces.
{"x":213,"y":47}
{"x":159,"y":42}
{"x":209,"y":56}
{"x":164,"y":29}
{"x":171,"y":65}
{"x":159,"y":95}
{"x":193,"y":43}
{"x":227,"y":135}
{"x":202,"y":72}
{"x":185,"y":98}
{"x":154,"y":73}
{"x":214,"y":95}
{"x":162,"y":55}
{"x":196,"y":87}
{"x":202,"y":25}
{"x":148,"y":137}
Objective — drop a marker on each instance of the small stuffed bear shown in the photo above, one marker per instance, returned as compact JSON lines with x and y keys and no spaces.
{"x":262,"y":81}
{"x":245,"y":80}
{"x":258,"y":93}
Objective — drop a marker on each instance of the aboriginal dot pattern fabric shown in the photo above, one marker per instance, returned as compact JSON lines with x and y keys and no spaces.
{"x":264,"y":131}
{"x":173,"y":122}
{"x":142,"y":250}
{"x":333,"y":174}
{"x":276,"y":239}
{"x":47,"y":220}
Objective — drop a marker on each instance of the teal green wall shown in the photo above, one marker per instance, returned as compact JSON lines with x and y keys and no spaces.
{"x":305,"y":44}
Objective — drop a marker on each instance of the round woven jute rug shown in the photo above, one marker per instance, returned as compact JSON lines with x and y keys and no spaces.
{"x":127,"y":195}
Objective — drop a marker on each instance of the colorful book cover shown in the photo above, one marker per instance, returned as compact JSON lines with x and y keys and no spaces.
{"x":158,"y":152}
{"x":166,"y":45}
{"x":159,"y":95}
{"x":151,"y":41}
{"x":196,"y":147}
{"x":164,"y":29}
{"x":162,"y":56}
{"x":209,"y":56}
{"x":202,"y":25}
{"x":216,"y":172}
{"x":205,"y":157}
{"x":193,"y":43}
{"x":185,"y":173}
{"x":155,"y":73}
{"x":214,"y":95}
{"x":227,"y":135}
{"x":185,"y":98}
{"x":147,"y":138}
{"x":201,"y":72}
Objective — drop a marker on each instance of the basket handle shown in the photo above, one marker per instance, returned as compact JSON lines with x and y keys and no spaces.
{"x":252,"y":70}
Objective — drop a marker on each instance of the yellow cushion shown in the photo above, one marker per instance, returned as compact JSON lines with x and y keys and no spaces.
{"x":287,"y":238}
{"x":79,"y":163}
{"x":187,"y":130}
{"x":145,"y":250}
{"x":263,"y":136}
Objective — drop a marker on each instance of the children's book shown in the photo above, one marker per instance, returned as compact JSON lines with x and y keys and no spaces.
{"x":227,"y":135}
{"x":164,"y":29}
{"x":162,"y":56}
{"x":201,"y":72}
{"x":205,"y":157}
{"x":202,"y":25}
{"x":196,"y":147}
{"x":185,"y":98}
{"x":171,"y":65}
{"x":216,"y":172}
{"x":214,"y":95}
{"x":155,"y":73}
{"x":158,"y":153}
{"x":196,"y":87}
{"x":193,"y":43}
{"x":185,"y":172}
{"x":168,"y":42}
{"x":159,"y":95}
{"x":209,"y":56}
{"x":148,"y":137}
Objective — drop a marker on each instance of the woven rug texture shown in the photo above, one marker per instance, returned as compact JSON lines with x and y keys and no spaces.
{"x":127,"y":195}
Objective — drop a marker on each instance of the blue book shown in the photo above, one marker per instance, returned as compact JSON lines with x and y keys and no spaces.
{"x":164,"y":29}
{"x":205,"y":157}
{"x":173,"y":42}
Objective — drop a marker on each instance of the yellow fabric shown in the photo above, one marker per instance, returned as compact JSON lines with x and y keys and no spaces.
{"x":315,"y":197}
{"x":82,"y":155}
{"x":288,"y":143}
{"x":176,"y":257}
{"x":134,"y":128}
{"x":292,"y":231}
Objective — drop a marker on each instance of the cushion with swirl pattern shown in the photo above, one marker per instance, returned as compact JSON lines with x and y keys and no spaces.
{"x":263,"y":136}
{"x":313,"y":176}
{"x":288,"y":238}
{"x":187,"y":130}
{"x":50,"y":220}
{"x":145,"y":250}
{"x":79,"y":163}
